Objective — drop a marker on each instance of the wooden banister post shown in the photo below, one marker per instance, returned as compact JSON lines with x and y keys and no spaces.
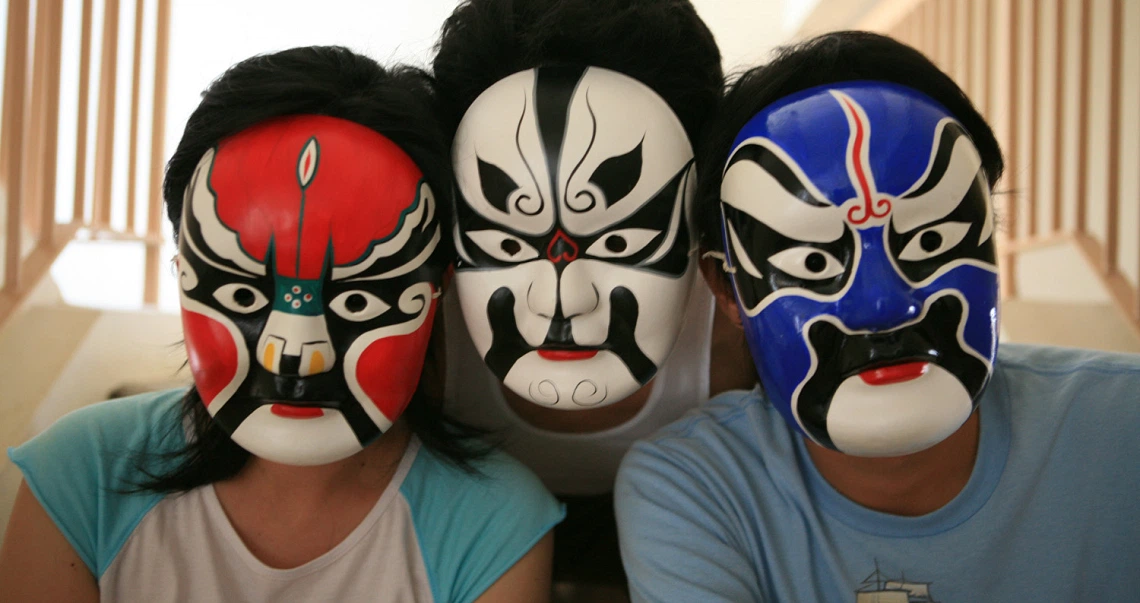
{"x":78,"y":203}
{"x":105,"y":128}
{"x":157,"y":154}
{"x":12,"y":131}
{"x":133,"y":144}
{"x":50,"y":146}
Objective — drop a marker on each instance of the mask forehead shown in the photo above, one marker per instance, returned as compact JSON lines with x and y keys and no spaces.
{"x":310,"y":262}
{"x":300,"y":216}
{"x":622,"y":145}
{"x":580,"y":147}
{"x":813,"y":128}
{"x":858,"y":220}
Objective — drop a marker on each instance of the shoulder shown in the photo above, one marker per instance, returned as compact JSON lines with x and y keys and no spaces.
{"x":494,"y":479}
{"x":1065,"y":362}
{"x":1082,"y":397}
{"x":474,"y":526}
{"x":114,"y":424}
{"x":1067,"y":376}
{"x":80,"y":468}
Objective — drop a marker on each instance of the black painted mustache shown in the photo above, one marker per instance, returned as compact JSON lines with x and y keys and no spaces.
{"x":934,"y":339}
{"x":508,"y":345}
{"x":325,"y":390}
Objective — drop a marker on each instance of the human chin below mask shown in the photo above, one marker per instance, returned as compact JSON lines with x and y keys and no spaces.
{"x":573,"y":233}
{"x":310,"y":266}
{"x":859,"y":228}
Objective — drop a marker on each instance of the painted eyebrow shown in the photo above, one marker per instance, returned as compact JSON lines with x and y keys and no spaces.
{"x":205,"y":258}
{"x":775,"y":192}
{"x":952,"y":170}
{"x":418,"y":218}
{"x":409,"y":266}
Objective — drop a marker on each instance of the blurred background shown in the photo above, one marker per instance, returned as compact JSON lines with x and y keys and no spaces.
{"x":96,"y":92}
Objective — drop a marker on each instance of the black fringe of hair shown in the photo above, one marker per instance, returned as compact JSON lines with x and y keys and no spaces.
{"x":830,"y":58}
{"x":661,"y":43}
{"x":318,"y":80}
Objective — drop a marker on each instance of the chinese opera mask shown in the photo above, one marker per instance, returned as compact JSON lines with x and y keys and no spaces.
{"x":573,"y":233}
{"x":310,"y":267}
{"x":859,"y":229}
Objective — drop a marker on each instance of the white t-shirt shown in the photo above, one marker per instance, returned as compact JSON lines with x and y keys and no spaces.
{"x":437,"y":533}
{"x":573,"y":463}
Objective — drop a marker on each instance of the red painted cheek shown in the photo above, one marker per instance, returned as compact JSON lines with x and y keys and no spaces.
{"x":212,"y":352}
{"x":389,"y":369}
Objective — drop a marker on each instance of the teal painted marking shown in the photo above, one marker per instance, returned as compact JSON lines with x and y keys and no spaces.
{"x":299,"y":297}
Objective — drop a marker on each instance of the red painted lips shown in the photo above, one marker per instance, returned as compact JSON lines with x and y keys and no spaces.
{"x":896,"y":373}
{"x":560,"y":355}
{"x":296,"y":412}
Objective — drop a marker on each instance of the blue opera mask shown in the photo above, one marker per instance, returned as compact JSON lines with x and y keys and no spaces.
{"x":859,"y":229}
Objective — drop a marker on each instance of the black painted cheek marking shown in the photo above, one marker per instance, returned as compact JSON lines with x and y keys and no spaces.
{"x":507,"y":344}
{"x":621,"y":340}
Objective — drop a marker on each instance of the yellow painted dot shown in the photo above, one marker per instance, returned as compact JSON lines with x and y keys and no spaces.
{"x":316,"y":364}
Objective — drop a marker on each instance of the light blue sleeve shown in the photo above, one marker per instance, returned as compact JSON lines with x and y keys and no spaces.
{"x":678,"y":539}
{"x":473,"y":528}
{"x":79,"y":468}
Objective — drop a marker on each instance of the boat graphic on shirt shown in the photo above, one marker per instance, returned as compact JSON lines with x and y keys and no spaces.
{"x":876,"y":588}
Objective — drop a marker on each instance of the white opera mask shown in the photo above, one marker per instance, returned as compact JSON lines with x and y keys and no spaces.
{"x":574,"y":232}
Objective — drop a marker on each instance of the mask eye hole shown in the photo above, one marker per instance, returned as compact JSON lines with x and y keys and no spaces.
{"x":622,"y":243}
{"x":240,"y":298}
{"x":502,"y":246}
{"x":807,"y":263}
{"x":934,"y":241}
{"x":358,"y":306}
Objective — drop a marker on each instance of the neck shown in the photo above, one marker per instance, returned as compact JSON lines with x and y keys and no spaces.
{"x":367,"y":471}
{"x":910,"y":485}
{"x":579,"y":421}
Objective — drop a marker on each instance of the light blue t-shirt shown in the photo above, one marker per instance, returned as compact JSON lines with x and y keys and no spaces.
{"x":437,"y":533}
{"x":726,"y":505}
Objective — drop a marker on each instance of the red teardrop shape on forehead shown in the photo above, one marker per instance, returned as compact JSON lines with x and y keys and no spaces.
{"x":561,"y":248}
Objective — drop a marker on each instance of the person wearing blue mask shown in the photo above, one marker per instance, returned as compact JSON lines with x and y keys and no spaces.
{"x":893,"y":448}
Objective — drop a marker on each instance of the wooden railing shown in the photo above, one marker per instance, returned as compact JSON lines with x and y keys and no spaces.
{"x":1052,"y":77}
{"x":33,"y":236}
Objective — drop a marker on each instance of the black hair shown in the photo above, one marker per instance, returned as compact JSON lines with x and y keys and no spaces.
{"x":399,"y":103}
{"x":830,"y":58}
{"x":661,"y":43}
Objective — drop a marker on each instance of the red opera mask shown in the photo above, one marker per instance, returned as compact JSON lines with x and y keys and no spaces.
{"x":310,"y":267}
